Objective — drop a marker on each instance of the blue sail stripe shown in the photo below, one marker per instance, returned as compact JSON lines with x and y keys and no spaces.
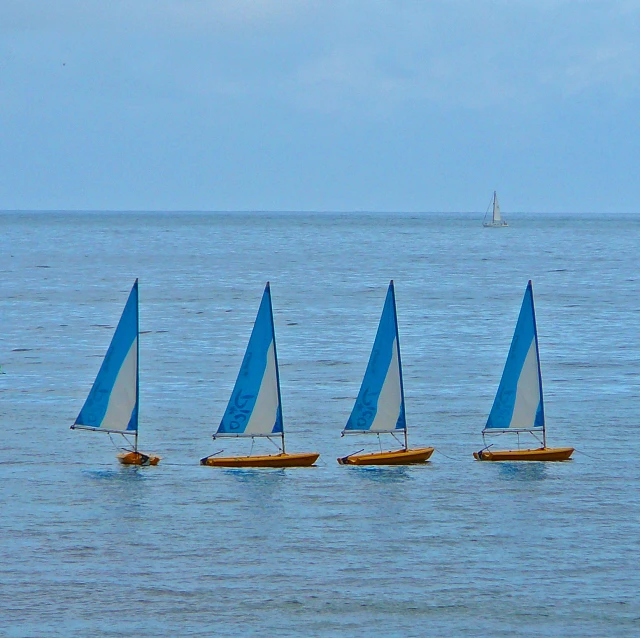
{"x":251,"y":376}
{"x":366,"y":405}
{"x":97,"y":403}
{"x":510,"y":389}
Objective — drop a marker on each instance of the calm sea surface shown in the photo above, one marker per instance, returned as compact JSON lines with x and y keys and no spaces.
{"x":453,"y":548}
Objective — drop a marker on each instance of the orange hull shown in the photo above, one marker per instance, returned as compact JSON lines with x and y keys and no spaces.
{"x":138,"y":458}
{"x":273,"y":460}
{"x":392,"y":457}
{"x":541,"y":454}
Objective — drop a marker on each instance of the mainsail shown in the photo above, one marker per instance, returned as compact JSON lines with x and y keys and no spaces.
{"x":254,"y":407}
{"x":519,"y":405}
{"x":112,"y":404}
{"x":496,"y":209}
{"x":380,"y":403}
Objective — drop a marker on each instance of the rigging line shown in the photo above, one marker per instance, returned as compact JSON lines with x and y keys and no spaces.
{"x":115,"y":445}
{"x":585,"y":454}
{"x":180,"y":464}
{"x":452,"y":458}
{"x":393,"y":434}
{"x":270,"y":441}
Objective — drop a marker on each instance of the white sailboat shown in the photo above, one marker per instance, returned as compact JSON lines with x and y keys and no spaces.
{"x":379,"y":408}
{"x":112,"y":404}
{"x":496,"y":218}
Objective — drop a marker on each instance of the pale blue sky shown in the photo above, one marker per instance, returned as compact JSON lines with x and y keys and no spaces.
{"x":320,"y":105}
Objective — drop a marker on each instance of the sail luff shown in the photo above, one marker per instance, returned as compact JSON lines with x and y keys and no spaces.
{"x":402,"y":404}
{"x":535,"y":334}
{"x":275,"y":356}
{"x":137,"y":361}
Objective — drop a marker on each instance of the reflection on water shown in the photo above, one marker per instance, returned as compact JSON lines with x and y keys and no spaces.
{"x":256,"y":475}
{"x":122,"y":473}
{"x":524,"y":471}
{"x":388,"y":474}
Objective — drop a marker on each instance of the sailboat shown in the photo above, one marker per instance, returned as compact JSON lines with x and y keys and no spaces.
{"x":496,"y":219}
{"x":519,"y":404}
{"x":255,"y":407}
{"x":379,"y":407}
{"x":112,"y":404}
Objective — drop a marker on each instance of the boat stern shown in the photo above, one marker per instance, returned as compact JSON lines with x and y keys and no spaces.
{"x":138,"y":458}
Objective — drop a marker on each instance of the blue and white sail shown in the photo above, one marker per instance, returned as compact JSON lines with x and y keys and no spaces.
{"x":519,"y":404}
{"x":254,"y":407}
{"x":380,"y":403}
{"x":112,"y":404}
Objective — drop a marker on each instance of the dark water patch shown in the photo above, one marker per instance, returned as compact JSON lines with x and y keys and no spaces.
{"x":524,"y":471}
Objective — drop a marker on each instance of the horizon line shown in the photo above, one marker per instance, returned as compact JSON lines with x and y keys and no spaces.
{"x":295,"y":211}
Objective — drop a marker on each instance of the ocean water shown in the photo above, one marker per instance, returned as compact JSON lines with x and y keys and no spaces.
{"x":452,"y":548}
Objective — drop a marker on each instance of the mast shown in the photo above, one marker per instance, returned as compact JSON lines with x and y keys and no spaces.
{"x":535,"y":334}
{"x":137,"y":366}
{"x":395,"y":319}
{"x":275,"y":356}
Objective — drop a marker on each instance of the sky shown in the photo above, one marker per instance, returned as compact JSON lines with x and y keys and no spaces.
{"x":334,"y":105}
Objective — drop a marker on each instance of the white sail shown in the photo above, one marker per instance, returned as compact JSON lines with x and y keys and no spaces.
{"x":266,"y":409}
{"x":390,"y":398}
{"x":496,"y":209}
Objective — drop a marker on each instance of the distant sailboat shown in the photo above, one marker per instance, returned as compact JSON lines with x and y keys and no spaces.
{"x":379,"y":407}
{"x":519,"y":405}
{"x":112,"y":404}
{"x":496,"y":218}
{"x":255,"y":409}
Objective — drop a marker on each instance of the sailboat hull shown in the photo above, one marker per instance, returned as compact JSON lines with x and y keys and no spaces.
{"x":495,"y":224}
{"x":392,"y":457}
{"x":138,"y":458}
{"x":274,"y":460}
{"x":541,"y":454}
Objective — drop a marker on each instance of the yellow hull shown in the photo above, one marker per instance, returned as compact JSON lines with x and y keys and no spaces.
{"x":392,"y":457}
{"x":273,"y":460}
{"x":138,"y":458}
{"x":541,"y":454}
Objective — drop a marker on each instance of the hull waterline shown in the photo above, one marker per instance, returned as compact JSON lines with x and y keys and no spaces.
{"x":305,"y":459}
{"x":541,"y":454}
{"x":392,"y":457}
